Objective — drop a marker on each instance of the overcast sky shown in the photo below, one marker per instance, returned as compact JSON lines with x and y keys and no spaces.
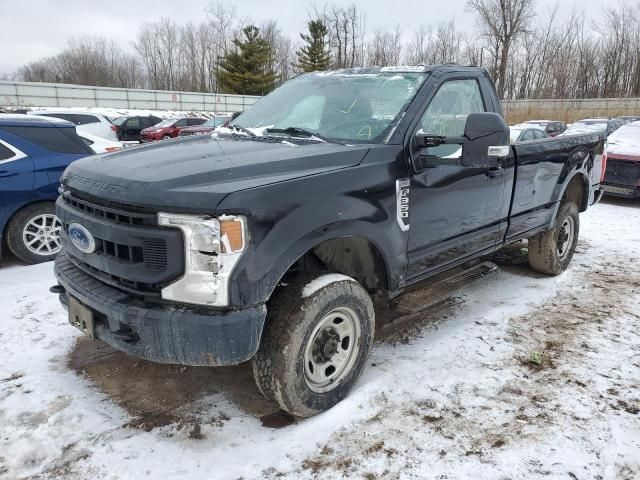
{"x":32,"y":29}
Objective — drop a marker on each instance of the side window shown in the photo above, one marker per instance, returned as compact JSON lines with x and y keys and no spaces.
{"x":539,"y":134}
{"x":9,"y":153}
{"x":447,"y":113}
{"x":196,"y":121}
{"x":61,"y":140}
{"x":133,"y":122}
{"x":528,"y":135}
{"x":80,"y":119}
{"x":181,"y":123}
{"x":5,"y":153}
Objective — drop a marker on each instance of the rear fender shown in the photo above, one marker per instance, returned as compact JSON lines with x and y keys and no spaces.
{"x":587,"y":192}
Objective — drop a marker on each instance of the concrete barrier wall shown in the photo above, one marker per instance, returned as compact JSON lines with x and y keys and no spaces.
{"x":570,"y":110}
{"x":27,"y":94}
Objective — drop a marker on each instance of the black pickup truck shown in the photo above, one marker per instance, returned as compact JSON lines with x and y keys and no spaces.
{"x":270,"y":241}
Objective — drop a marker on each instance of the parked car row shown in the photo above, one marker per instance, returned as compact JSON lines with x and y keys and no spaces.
{"x":144,"y":128}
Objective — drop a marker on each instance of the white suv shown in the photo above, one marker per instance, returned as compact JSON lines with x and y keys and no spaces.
{"x":89,"y":122}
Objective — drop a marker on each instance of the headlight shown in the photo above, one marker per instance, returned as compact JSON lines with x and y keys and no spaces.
{"x":212,"y":249}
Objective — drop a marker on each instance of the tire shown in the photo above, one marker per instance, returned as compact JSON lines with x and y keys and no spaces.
{"x":33,"y":233}
{"x":332,"y":327}
{"x":166,"y":137}
{"x":551,"y":252}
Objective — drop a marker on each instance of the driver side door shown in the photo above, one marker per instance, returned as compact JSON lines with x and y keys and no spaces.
{"x":456,"y":191}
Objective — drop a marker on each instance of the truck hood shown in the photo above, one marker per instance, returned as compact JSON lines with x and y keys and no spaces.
{"x":196,"y":173}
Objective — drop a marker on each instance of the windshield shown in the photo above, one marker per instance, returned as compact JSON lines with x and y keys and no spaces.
{"x":353,"y":108}
{"x":165,"y":123}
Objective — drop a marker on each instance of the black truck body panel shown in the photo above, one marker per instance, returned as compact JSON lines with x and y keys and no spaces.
{"x":296,"y":197}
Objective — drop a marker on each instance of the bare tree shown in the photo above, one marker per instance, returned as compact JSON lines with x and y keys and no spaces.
{"x":502,"y":22}
{"x":385,"y":48}
{"x":444,"y":45}
{"x":528,"y":57}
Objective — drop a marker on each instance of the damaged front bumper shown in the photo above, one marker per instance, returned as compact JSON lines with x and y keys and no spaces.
{"x":161,"y":332}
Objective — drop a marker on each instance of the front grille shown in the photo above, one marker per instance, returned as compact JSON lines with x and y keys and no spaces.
{"x":132,"y":252}
{"x":117,"y":216}
{"x":126,"y":253}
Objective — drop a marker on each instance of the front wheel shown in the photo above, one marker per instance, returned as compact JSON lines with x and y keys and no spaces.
{"x":316,"y":342}
{"x":33,"y":235}
{"x":551,"y":252}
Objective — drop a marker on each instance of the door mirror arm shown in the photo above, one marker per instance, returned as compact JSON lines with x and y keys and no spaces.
{"x":427,"y":141}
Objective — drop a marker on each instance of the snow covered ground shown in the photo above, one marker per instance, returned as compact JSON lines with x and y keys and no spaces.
{"x":521,"y":377}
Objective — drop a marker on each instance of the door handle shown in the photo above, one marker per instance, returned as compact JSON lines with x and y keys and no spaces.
{"x":496,"y":171}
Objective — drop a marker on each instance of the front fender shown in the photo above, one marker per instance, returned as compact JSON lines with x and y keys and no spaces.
{"x":288,"y":219}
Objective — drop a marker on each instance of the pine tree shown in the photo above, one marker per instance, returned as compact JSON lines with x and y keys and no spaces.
{"x":315,"y":54}
{"x":247,"y":70}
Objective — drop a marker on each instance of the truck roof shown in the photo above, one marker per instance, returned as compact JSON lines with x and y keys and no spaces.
{"x":453,"y":67}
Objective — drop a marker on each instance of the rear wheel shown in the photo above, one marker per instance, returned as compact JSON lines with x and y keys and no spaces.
{"x":316,"y":342}
{"x":551,"y":252}
{"x":166,"y":137}
{"x":33,"y":235}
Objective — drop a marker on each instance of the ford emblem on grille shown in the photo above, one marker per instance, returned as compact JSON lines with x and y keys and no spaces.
{"x":82,"y":238}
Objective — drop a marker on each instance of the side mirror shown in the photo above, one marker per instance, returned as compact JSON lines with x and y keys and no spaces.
{"x":486,"y":124}
{"x":483,"y":131}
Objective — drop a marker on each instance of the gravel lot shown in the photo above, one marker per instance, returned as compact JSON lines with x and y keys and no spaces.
{"x":520,"y":376}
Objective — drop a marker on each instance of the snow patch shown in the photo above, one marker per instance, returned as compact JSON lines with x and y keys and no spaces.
{"x":321,"y":282}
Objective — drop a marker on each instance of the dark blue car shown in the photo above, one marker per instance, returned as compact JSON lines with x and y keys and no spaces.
{"x":34,"y":151}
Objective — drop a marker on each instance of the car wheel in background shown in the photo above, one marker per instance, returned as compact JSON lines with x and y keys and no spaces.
{"x":551,"y":252}
{"x":317,"y":338}
{"x":166,"y":137}
{"x":33,"y":234}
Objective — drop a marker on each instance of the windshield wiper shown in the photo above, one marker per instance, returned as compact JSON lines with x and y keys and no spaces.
{"x":291,"y":131}
{"x":242,"y":129}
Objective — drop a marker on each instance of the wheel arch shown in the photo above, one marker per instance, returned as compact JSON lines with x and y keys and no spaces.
{"x":355,"y":250}
{"x":576,"y":188}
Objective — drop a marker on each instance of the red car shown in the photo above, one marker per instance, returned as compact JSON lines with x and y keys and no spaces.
{"x":206,"y":127}
{"x":169,"y":128}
